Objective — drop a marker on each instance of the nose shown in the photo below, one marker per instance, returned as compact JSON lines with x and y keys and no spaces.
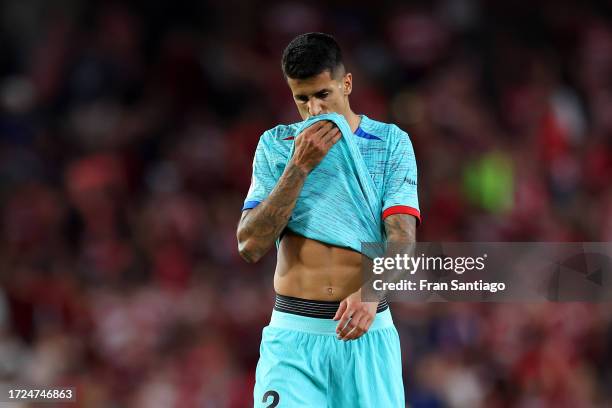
{"x":315,"y":107}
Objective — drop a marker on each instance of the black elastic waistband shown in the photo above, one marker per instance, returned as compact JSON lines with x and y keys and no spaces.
{"x":314,"y":308}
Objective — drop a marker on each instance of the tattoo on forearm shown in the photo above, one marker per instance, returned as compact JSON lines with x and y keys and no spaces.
{"x":400,"y":228}
{"x":401,"y":234}
{"x":263,"y":224}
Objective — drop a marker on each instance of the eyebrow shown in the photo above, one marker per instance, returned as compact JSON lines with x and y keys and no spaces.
{"x":302,"y":96}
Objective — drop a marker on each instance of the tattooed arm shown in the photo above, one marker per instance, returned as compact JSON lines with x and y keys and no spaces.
{"x":400,"y":228}
{"x":261,"y":226}
{"x":401,"y":239}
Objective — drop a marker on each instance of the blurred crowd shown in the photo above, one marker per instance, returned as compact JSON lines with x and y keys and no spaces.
{"x":127,"y":133}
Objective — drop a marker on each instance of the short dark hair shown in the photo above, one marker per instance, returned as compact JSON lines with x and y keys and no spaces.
{"x":309,"y":54}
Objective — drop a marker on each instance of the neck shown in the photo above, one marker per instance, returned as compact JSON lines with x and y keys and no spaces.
{"x":353,"y":119}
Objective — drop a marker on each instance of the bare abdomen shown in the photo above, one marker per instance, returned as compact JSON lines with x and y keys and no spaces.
{"x":310,"y":269}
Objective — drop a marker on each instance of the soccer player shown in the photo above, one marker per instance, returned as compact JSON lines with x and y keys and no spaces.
{"x":324,"y":346}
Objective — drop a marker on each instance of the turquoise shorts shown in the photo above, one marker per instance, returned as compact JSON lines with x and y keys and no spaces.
{"x":303,"y":364}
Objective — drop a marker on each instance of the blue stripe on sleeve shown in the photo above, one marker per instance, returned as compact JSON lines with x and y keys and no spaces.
{"x":250,"y":204}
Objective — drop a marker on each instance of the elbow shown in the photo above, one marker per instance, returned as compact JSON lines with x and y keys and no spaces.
{"x":248,"y":252}
{"x":246,"y":248}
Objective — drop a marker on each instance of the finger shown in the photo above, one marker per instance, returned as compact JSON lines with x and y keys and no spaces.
{"x":329,"y":127}
{"x":318,"y":125}
{"x":345,"y":321}
{"x":324,"y":129}
{"x":334,"y":131}
{"x":346,"y":330}
{"x":356,"y":331}
{"x":363,"y":326}
{"x":330,"y":143}
{"x":335,"y":138}
{"x":327,"y":138}
{"x":366,"y":325}
{"x":340,"y":310}
{"x":350,"y":335}
{"x":351,"y":326}
{"x":315,"y":127}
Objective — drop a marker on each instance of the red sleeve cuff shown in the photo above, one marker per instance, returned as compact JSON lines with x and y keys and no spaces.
{"x":402,"y":209}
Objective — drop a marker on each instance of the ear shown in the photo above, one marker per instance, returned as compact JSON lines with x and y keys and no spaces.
{"x":347,"y":84}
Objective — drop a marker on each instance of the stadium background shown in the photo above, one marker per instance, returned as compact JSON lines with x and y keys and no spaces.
{"x":126,"y":138}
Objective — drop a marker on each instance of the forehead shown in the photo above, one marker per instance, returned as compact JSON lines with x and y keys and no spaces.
{"x":311,"y":85}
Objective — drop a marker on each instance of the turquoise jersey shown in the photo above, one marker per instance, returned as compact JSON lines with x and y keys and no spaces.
{"x":366,"y":176}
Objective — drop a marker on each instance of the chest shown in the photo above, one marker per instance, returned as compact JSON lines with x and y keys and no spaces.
{"x":375,"y":155}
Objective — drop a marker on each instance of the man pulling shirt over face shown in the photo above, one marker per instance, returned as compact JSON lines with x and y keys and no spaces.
{"x":319,"y":204}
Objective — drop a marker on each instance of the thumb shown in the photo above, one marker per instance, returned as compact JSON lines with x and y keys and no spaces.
{"x":341,"y":310}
